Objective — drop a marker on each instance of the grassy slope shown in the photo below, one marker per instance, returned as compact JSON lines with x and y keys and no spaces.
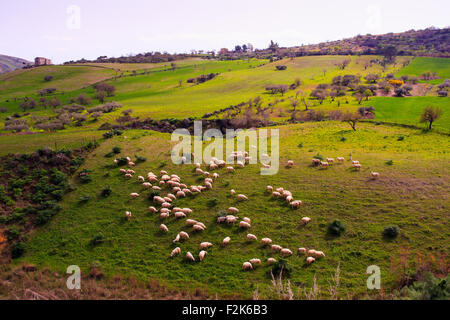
{"x":421,"y":65}
{"x":403,"y":196}
{"x":408,"y":110}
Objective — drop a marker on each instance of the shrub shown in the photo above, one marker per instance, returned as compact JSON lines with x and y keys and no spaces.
{"x":212,"y":202}
{"x":117,"y":150}
{"x":281,"y":267}
{"x":97,"y":240}
{"x":430,"y":288}
{"x":48,"y":78}
{"x":13,"y":233}
{"x":390,"y":162}
{"x":140,"y":159}
{"x":336,"y":227}
{"x":122,"y":161}
{"x":390,"y":232}
{"x":17,"y":250}
{"x":281,"y":67}
{"x":106,"y":192}
{"x":400,"y":138}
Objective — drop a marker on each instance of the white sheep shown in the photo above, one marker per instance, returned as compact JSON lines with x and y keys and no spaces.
{"x":286,"y":252}
{"x":330,"y":160}
{"x":311,"y":253}
{"x":131,"y":164}
{"x":164,"y":228}
{"x":233,"y":210}
{"x":166,"y":205}
{"x":128,"y":215}
{"x":248,"y":220}
{"x":290,"y":163}
{"x":147,"y":185}
{"x":179,"y":215}
{"x":175,"y":252}
{"x":355,"y":162}
{"x":244,"y":225}
{"x":156,"y":188}
{"x":375,"y":175}
{"x":152,"y":209}
{"x":159,"y":199}
{"x":269,"y":188}
{"x":184,"y":235}
{"x":247,"y":266}
{"x":306,"y":220}
{"x":275,"y":248}
{"x":205,"y":245}
{"x":231,"y":219}
{"x":251,"y":237}
{"x":316,"y":162}
{"x":189,"y":222}
{"x":131,"y":171}
{"x":180,"y":194}
{"x":134,"y":195}
{"x":310,"y":260}
{"x":296,"y":204}
{"x":242,"y":197}
{"x":165,"y":210}
{"x":198,"y":165}
{"x":162,"y":172}
{"x":340,"y":159}
{"x":128,"y":176}
{"x":202,"y":255}
{"x":164,"y":215}
{"x":232,"y":192}
{"x":189,"y":256}
{"x":123,"y":171}
{"x":266,"y":241}
{"x":357,"y":166}
{"x":198,"y":171}
{"x":226,"y":241}
{"x":198,"y":227}
{"x":215,"y":176}
{"x":271,"y":261}
{"x":187,"y":210}
{"x":301,"y":250}
{"x":255,"y":262}
{"x":324,"y":164}
{"x":319,"y":254}
{"x":276,"y":194}
{"x":230,"y":169}
{"x":141,"y":178}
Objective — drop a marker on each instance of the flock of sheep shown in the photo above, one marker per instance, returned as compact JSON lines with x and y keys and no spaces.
{"x":177,"y":189}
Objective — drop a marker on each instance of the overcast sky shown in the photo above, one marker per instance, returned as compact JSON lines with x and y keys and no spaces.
{"x":69,"y":30}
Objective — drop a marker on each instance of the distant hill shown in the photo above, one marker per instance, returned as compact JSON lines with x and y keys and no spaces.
{"x":8,"y":63}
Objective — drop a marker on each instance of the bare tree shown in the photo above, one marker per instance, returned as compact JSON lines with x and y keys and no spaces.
{"x":352,"y":119}
{"x":430,"y":114}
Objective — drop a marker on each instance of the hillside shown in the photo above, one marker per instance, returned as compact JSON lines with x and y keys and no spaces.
{"x":63,"y":199}
{"x":8,"y":64}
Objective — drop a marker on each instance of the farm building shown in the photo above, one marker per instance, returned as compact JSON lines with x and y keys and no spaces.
{"x":40,"y":61}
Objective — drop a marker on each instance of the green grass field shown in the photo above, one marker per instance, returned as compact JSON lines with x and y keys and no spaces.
{"x":411,"y":192}
{"x":417,"y":178}
{"x":421,"y":65}
{"x":408,"y":110}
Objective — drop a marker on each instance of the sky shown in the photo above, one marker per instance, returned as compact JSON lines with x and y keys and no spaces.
{"x":64,"y":30}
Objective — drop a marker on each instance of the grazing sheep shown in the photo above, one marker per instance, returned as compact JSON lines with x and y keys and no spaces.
{"x":208,"y":185}
{"x":269,"y":188}
{"x":316,"y":162}
{"x":290,"y":163}
{"x":179,"y":215}
{"x":305,"y":221}
{"x":286,"y":193}
{"x":310,"y":260}
{"x":375,"y":175}
{"x":181,"y":194}
{"x":128,"y":176}
{"x":131,"y":164}
{"x":266,"y":241}
{"x":128,"y":215}
{"x":165,"y":177}
{"x":190,"y":222}
{"x":123,"y":171}
{"x":175,"y":252}
{"x":301,"y":250}
{"x":206,"y":173}
{"x":152,"y":179}
{"x":251,"y":237}
{"x":233,"y":210}
{"x":286,"y":252}
{"x":177,"y":238}
{"x":330,"y":160}
{"x":221,"y":219}
{"x":275,"y":248}
{"x":276,"y":194}
{"x":357,"y":166}
{"x":165,"y":210}
{"x":166,"y":205}
{"x":324,"y":164}
{"x":141,"y":178}
{"x":205,"y":245}
{"x":247,"y":266}
{"x":215,"y":176}
{"x":201,"y":224}
{"x":189,"y":256}
{"x":280,"y":190}
{"x":311,"y":253}
{"x":198,"y":165}
{"x":184,"y":235}
{"x":230,"y":169}
{"x":289,"y":199}
{"x":355,"y":162}
{"x":183,"y":160}
{"x":152,"y":209}
{"x":162,"y":183}
{"x":242,"y":197}
{"x":156,"y":188}
{"x":340,"y":159}
{"x":202,"y":255}
{"x":240,"y":164}
{"x":164,"y":215}
{"x":171,"y":196}
{"x":319,"y":254}
{"x":187,"y":210}
{"x":248,"y":220}
{"x":198,"y":171}
{"x":244,"y":225}
{"x":134,"y":195}
{"x":198,"y":227}
{"x":255,"y":262}
{"x":176,"y":189}
{"x":164,"y":228}
{"x":226,"y":241}
{"x":271,"y":261}
{"x":128,"y":159}
{"x":159,"y":199}
{"x":296,"y":204}
{"x":232,"y":192}
{"x":162,"y":172}
{"x":147,"y":185}
{"x":231,"y":219}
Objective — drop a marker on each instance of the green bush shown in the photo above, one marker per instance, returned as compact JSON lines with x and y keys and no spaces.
{"x":336,"y":227}
{"x":431,"y":288}
{"x":281,"y":267}
{"x":117,"y":150}
{"x":106,"y":192}
{"x":212,"y":202}
{"x":97,"y":240}
{"x":122,"y":161}
{"x":17,"y":250}
{"x":390,"y":162}
{"x":391,"y":232}
{"x":13,"y":233}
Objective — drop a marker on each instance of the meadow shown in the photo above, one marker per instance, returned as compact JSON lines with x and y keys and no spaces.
{"x":411,"y":193}
{"x":403,"y":196}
